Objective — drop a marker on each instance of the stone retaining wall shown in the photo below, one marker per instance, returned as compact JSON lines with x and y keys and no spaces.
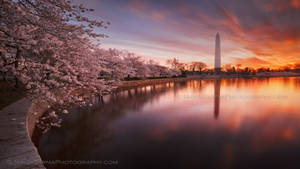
{"x":17,"y":123}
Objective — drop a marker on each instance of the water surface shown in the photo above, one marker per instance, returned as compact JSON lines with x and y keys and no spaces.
{"x":227,"y":123}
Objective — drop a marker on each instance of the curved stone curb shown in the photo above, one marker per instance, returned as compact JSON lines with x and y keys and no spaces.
{"x":17,"y":122}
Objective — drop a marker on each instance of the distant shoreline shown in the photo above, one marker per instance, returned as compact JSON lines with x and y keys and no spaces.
{"x":259,"y":75}
{"x":135,"y":83}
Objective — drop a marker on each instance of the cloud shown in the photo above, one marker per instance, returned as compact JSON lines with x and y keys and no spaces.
{"x":142,"y":8}
{"x":252,"y":62}
{"x":295,"y":3}
{"x":274,"y":36}
{"x":267,"y":29}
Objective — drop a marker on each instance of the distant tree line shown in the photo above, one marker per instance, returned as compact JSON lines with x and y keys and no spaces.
{"x":200,"y":68}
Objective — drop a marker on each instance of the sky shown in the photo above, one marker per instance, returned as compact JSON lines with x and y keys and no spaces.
{"x":254,"y":33}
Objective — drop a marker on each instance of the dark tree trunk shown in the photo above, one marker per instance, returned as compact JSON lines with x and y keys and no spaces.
{"x":4,"y":76}
{"x":100,"y":98}
{"x":5,"y":63}
{"x":16,"y":67}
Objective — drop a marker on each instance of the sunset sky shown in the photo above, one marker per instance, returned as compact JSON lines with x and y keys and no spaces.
{"x":253,"y":33}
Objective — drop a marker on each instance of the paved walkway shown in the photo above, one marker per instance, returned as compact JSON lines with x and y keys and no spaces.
{"x":16,"y":149}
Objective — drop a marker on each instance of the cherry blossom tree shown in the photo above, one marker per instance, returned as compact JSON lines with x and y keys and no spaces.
{"x":161,"y":71}
{"x":119,"y":64}
{"x":52,"y":57}
{"x":197,"y":66}
{"x":136,"y":65}
{"x":46,"y":45}
{"x":174,"y":63}
{"x":122,"y":64}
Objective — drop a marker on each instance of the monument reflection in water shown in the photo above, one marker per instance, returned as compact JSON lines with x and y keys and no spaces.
{"x":233,"y":123}
{"x":217,"y":98}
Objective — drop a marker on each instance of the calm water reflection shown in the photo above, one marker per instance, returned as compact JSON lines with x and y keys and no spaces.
{"x":234,"y":123}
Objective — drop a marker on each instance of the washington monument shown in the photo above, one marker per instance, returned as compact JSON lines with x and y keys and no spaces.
{"x":218,"y":54}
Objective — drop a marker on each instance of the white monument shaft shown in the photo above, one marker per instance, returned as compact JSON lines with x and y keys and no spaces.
{"x":218,"y":53}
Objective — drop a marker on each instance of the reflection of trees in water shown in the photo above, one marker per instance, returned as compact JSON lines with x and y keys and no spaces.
{"x":294,"y":81}
{"x":87,"y":128}
{"x":249,"y":83}
{"x":244,"y":82}
{"x":198,"y":85}
{"x":261,"y":82}
{"x":179,"y":85}
{"x":134,"y":99}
